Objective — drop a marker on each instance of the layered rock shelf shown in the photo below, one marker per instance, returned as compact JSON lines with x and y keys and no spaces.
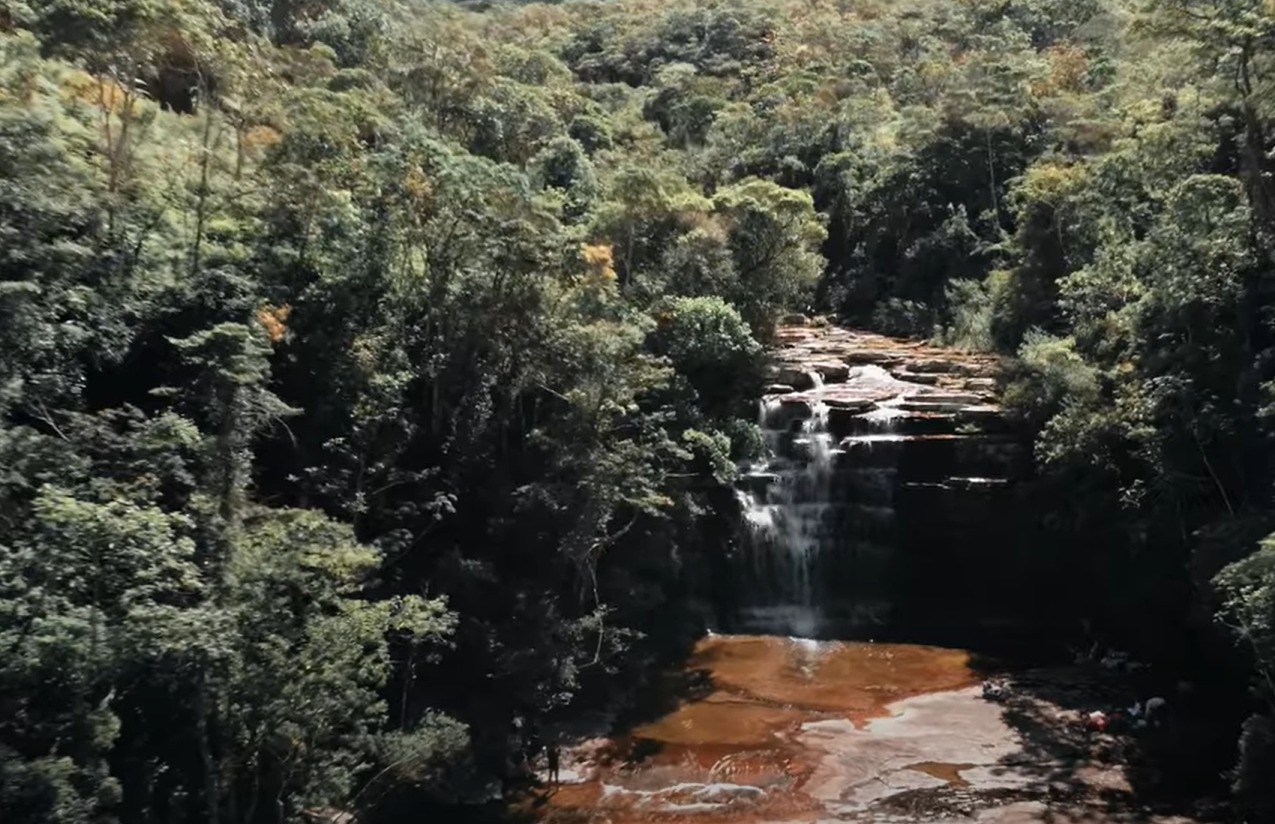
{"x":910,"y":379}
{"x":886,"y":499}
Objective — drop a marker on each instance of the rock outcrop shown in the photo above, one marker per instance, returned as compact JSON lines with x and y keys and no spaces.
{"x":888,"y":498}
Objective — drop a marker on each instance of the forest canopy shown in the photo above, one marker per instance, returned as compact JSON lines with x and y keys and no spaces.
{"x":372,"y":372}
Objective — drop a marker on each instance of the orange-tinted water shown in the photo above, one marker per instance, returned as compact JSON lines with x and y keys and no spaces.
{"x":730,"y":755}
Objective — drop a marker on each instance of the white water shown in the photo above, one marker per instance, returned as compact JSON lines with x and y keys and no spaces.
{"x":788,"y":521}
{"x":793,"y":514}
{"x":686,"y":797}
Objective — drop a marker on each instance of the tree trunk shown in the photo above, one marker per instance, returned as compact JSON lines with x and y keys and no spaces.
{"x":212,"y":777}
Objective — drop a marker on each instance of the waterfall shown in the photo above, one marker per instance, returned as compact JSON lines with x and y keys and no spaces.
{"x":791,"y":518}
{"x":819,"y":509}
{"x":874,"y":492}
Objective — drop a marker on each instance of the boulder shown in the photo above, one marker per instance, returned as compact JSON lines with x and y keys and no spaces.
{"x":781,"y":412}
{"x":796,"y":407}
{"x":933,"y":366}
{"x":852,"y":405}
{"x":832,"y":371}
{"x":797,"y":377}
{"x":793,"y":335}
{"x":944,"y":366}
{"x":863,"y":357}
{"x":915,"y":377}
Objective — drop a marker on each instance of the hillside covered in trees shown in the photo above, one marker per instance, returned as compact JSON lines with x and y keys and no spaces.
{"x":373,"y":372}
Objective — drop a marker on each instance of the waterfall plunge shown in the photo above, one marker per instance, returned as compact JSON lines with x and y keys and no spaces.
{"x":789,"y":520}
{"x":819,"y":514}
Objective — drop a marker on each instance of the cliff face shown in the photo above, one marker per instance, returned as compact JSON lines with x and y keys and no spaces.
{"x":888,"y":499}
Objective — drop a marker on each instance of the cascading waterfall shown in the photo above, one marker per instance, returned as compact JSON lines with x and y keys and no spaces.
{"x":873,"y":490}
{"x":790,"y":516}
{"x":819,"y":509}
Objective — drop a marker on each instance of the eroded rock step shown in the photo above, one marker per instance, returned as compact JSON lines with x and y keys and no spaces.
{"x":924,"y":414}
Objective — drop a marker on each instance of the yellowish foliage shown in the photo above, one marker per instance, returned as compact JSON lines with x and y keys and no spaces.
{"x":1051,"y":182}
{"x":934,"y":71}
{"x":261,"y":137}
{"x":416,"y":185}
{"x":827,"y":95}
{"x":542,"y":19}
{"x":1068,"y":66}
{"x":275,"y":321}
{"x":600,"y":258}
{"x":708,"y":224}
{"x":106,"y":94}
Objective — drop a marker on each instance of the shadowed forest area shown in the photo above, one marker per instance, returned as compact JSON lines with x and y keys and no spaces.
{"x":373,"y":373}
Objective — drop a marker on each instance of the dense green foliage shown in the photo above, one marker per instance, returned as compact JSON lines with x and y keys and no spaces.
{"x":369,"y":370}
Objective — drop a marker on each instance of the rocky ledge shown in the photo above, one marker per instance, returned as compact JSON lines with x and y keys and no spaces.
{"x":918,"y":388}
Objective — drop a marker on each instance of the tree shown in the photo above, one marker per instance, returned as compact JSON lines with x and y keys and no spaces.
{"x":774,"y":234}
{"x":708,"y":343}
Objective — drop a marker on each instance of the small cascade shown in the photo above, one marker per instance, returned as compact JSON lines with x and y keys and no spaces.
{"x":884,"y":417}
{"x":791,"y":518}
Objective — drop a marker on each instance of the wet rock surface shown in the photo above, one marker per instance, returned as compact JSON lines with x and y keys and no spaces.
{"x":800,"y":731}
{"x":808,"y":347}
{"x":862,"y":373}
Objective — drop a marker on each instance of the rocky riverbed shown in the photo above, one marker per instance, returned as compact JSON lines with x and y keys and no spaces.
{"x":797,"y":731}
{"x":806,"y":347}
{"x":867,"y":380}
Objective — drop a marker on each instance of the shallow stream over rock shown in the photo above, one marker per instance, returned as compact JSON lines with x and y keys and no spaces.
{"x":767,"y":741}
{"x":790,"y":730}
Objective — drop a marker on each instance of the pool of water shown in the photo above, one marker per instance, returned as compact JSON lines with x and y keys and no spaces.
{"x":731,"y":753}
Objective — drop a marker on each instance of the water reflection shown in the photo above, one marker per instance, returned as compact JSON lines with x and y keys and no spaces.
{"x":730,"y":755}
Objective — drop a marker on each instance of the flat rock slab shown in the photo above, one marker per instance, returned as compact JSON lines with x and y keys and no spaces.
{"x":864,"y":766}
{"x":858,"y":367}
{"x":952,"y":758}
{"x":794,"y":732}
{"x":916,"y":377}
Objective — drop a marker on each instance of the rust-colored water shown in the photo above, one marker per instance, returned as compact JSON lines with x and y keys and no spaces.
{"x":729,"y":756}
{"x":951,"y":773}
